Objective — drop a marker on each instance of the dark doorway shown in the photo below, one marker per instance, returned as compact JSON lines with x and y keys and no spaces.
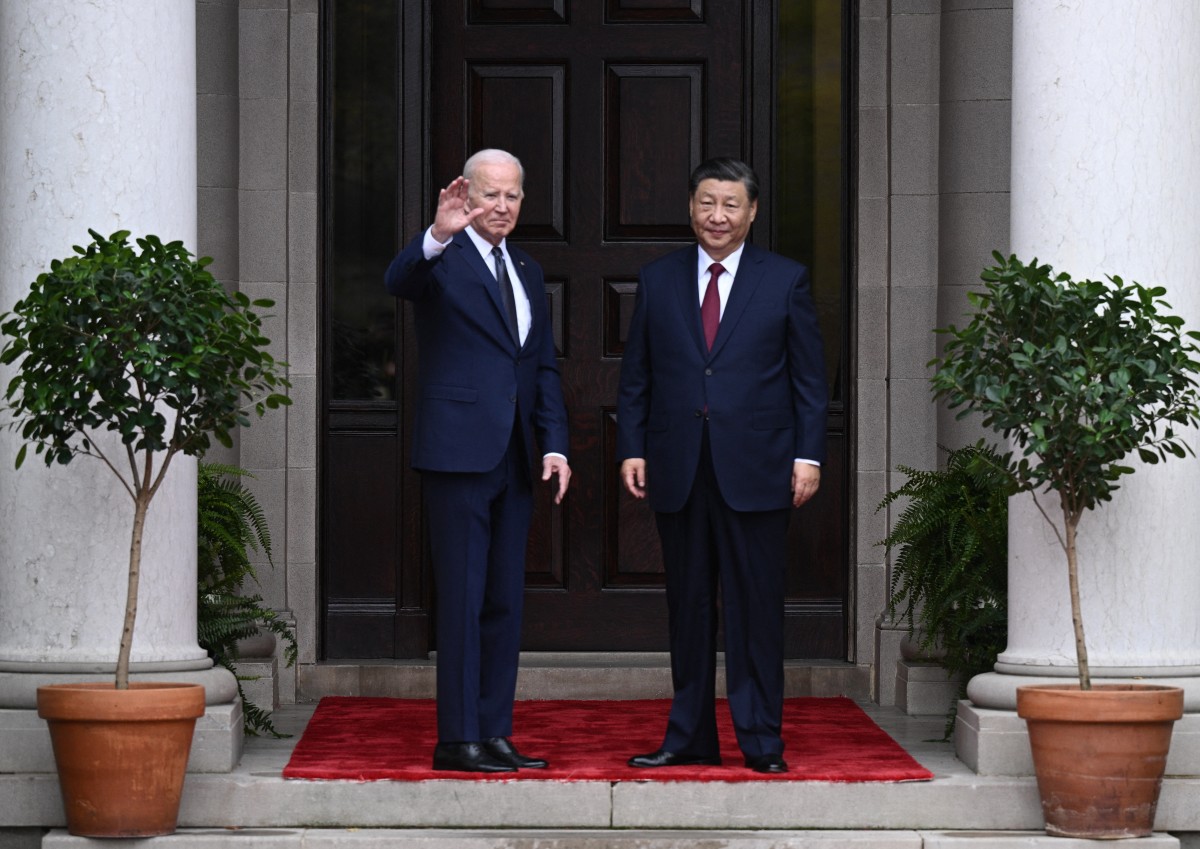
{"x":609,"y":104}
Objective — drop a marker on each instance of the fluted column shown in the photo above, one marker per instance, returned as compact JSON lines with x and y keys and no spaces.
{"x":1106,"y":181}
{"x":97,"y":130}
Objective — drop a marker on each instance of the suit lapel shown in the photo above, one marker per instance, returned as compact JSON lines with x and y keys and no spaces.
{"x":519,"y":264}
{"x":487,"y":279}
{"x":689,"y":299}
{"x":748,"y":276}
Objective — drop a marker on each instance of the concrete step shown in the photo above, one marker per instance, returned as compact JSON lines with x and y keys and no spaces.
{"x":597,"y":839}
{"x":253,"y":806}
{"x":567,"y":675}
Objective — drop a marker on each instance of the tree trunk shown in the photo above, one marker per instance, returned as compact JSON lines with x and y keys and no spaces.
{"x":141,"y":505}
{"x":1071,"y":524}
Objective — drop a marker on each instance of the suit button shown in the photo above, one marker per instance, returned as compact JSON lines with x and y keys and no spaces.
{"x":699,"y":413}
{"x":708,"y":372}
{"x":512,"y":399}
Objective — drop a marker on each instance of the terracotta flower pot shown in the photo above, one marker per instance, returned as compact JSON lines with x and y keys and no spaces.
{"x":1099,"y":754}
{"x":121,"y":754}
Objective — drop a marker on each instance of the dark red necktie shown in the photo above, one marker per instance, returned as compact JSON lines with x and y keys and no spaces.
{"x":710,"y":307}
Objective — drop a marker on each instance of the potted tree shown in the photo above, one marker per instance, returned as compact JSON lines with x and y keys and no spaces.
{"x":144,"y":344}
{"x":1078,"y":375}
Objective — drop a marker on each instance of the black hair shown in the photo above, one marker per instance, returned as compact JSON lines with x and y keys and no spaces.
{"x":725,"y":168}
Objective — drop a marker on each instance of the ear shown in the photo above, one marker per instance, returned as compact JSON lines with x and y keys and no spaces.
{"x":753,"y":210}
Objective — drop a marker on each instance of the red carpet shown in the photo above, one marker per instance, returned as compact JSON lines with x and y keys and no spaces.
{"x":366,"y":739}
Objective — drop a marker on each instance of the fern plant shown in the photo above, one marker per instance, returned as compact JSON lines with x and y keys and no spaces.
{"x":950,"y":573}
{"x":232,"y":524}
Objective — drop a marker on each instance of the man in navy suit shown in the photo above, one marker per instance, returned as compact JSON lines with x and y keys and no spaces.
{"x":488,"y":386}
{"x":721,"y":420}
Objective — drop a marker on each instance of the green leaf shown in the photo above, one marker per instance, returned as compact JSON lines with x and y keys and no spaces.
{"x":114,"y":329}
{"x":1076,"y":374}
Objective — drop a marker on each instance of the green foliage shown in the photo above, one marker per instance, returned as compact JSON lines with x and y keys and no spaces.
{"x":147,"y":345}
{"x":950,"y":572}
{"x":106,"y":336}
{"x":232,"y":525}
{"x":1077,"y":375}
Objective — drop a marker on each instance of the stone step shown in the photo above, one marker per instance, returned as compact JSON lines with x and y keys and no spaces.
{"x":594,"y":839}
{"x":255,"y":807}
{"x":567,"y":675}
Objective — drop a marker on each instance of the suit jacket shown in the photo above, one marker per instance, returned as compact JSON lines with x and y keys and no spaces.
{"x":470,"y":372}
{"x":763,"y":383}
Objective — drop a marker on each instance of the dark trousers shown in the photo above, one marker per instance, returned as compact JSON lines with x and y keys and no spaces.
{"x":478,"y":530}
{"x":707,"y":544}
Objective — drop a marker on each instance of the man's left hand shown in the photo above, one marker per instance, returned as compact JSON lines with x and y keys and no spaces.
{"x":806,"y":478}
{"x":553,"y":465}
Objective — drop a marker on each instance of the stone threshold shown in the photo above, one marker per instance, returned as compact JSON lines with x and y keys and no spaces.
{"x":603,"y":839}
{"x":566,"y":675}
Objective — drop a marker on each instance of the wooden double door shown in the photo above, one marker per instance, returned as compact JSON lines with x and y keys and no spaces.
{"x":609,"y":104}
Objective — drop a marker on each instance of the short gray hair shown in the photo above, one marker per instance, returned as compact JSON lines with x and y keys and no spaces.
{"x":493,"y":155}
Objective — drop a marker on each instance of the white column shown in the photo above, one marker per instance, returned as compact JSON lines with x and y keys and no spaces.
{"x":97,"y":130}
{"x":1106,"y":181}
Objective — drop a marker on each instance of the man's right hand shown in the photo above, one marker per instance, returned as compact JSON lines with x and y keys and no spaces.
{"x":453,"y":211}
{"x":633,"y":475}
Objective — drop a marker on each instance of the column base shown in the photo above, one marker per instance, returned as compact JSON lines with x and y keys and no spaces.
{"x":25,"y":740}
{"x":993,"y":740}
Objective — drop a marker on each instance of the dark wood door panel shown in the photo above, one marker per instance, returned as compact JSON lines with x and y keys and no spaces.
{"x":632,"y":621}
{"x":654,"y":113}
{"x":522,"y":107}
{"x":517,"y":11}
{"x":360,"y":537}
{"x":655,"y":11}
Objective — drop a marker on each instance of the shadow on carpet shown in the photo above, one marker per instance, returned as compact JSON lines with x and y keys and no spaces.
{"x":373,"y":739}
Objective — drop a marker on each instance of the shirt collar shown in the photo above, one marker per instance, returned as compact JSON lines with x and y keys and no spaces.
{"x":730,"y":263}
{"x":483,"y":245}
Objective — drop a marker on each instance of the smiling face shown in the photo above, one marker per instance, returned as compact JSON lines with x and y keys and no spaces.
{"x":722,"y":213}
{"x":496,"y":186}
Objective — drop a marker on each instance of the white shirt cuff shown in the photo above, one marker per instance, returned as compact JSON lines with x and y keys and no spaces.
{"x":431,"y":246}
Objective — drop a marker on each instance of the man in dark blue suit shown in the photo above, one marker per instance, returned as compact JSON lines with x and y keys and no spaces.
{"x":488,"y":387}
{"x":721,"y":419}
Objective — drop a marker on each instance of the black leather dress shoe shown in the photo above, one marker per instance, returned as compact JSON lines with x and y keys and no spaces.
{"x":664,"y":758}
{"x":770,"y":764}
{"x":502,"y":749}
{"x":467,"y":757}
